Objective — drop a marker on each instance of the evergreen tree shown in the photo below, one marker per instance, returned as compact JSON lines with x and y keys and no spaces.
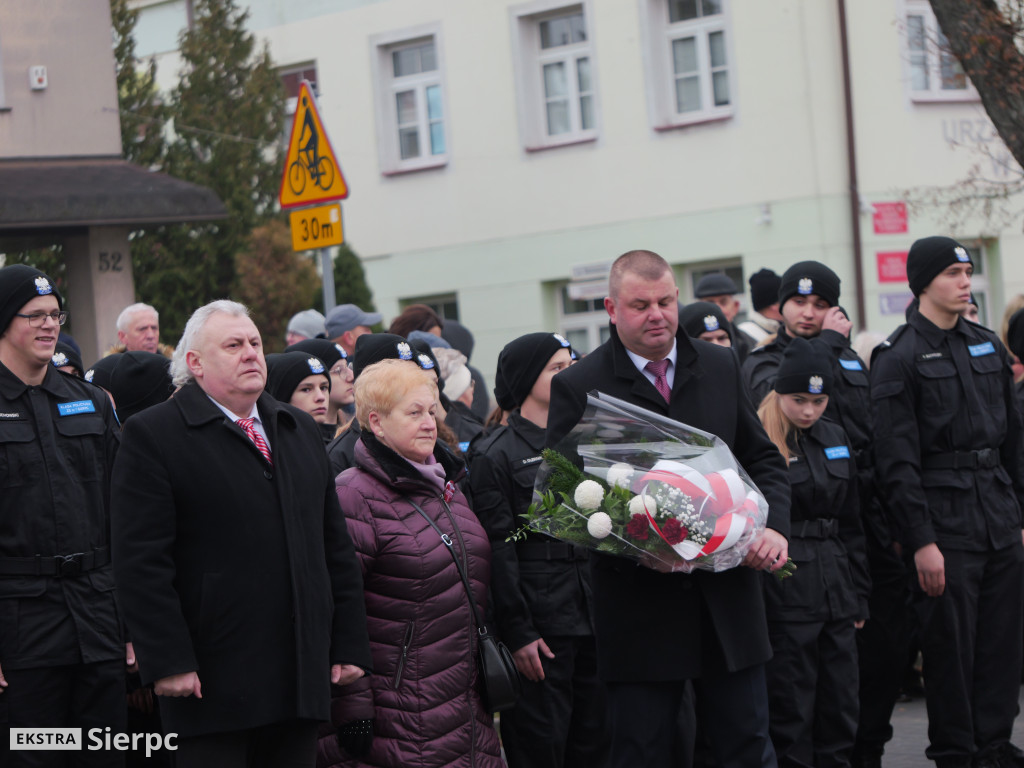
{"x":143,"y":113}
{"x":350,"y":281}
{"x":227,"y":116}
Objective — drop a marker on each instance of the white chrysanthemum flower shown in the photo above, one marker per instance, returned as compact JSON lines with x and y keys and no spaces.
{"x":619,"y":475}
{"x":638,"y":503}
{"x":599,"y":525}
{"x":588,"y":494}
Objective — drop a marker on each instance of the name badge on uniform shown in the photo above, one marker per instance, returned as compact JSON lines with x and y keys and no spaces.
{"x":837,"y":452}
{"x":978,"y":350}
{"x":531,"y":460}
{"x":78,"y":406}
{"x":851,"y":365}
{"x":10,"y":415}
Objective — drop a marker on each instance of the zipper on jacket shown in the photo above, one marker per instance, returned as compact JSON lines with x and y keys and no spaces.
{"x":406,"y":642}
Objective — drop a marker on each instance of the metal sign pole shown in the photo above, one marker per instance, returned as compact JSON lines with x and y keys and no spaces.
{"x":327,"y":268}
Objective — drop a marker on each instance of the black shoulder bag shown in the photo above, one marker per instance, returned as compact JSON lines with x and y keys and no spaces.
{"x":498,"y":671}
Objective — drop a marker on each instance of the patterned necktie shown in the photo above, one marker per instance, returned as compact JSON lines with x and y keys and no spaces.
{"x":256,"y":437}
{"x":659,"y":369}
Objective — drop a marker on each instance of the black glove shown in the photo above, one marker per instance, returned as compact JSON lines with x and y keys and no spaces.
{"x":355,"y":737}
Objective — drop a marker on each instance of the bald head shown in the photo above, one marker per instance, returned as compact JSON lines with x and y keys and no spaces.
{"x":647,"y":265}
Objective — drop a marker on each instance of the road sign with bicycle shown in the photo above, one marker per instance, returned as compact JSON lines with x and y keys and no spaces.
{"x":311,"y":171}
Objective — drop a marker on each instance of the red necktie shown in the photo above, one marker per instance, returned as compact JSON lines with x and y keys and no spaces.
{"x":256,"y":437}
{"x":659,"y":368}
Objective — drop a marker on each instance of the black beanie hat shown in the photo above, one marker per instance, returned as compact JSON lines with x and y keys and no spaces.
{"x":329,"y":352}
{"x":809,"y":278}
{"x":19,"y":284}
{"x":764,"y":288}
{"x":65,"y":354}
{"x":99,"y":373}
{"x":426,"y":359}
{"x":520,"y":364}
{"x":137,"y":381}
{"x":373,"y":347}
{"x":701,"y":317}
{"x":286,"y":370}
{"x":803,"y":370}
{"x":715,"y":284}
{"x":929,"y":256}
{"x":1015,"y":334}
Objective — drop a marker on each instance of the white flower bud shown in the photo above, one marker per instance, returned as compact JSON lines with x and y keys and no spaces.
{"x":588,"y":494}
{"x":619,"y":475}
{"x":637,"y":504}
{"x":599,"y":525}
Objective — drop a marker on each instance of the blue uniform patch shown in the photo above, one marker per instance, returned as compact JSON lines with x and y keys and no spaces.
{"x":979,"y":350}
{"x":78,"y":406}
{"x":851,"y":365}
{"x":837,"y":452}
{"x":464,"y":446}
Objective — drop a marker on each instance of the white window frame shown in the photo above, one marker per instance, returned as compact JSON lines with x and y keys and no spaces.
{"x":528,"y":61}
{"x":387,"y":86}
{"x":593,"y":324}
{"x":933,"y":42}
{"x":657,"y":36}
{"x":291,"y":102}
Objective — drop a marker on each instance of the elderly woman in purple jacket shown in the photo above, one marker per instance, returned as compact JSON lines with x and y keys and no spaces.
{"x":422,"y":705}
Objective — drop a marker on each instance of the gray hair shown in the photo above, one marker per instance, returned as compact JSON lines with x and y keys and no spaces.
{"x":128,"y":312}
{"x":193,"y":331}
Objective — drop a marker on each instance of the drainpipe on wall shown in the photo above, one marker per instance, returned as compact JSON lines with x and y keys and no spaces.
{"x":851,"y":164}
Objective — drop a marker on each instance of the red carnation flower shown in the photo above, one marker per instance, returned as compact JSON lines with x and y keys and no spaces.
{"x":637,"y":527}
{"x":673,"y":531}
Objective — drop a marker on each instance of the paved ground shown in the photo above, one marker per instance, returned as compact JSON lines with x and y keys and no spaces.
{"x":910,"y":726}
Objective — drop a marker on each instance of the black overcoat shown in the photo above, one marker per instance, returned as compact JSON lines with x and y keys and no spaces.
{"x":226,"y":565}
{"x":653,"y":626}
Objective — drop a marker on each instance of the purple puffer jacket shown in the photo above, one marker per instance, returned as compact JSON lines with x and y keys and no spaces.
{"x":423,"y":695}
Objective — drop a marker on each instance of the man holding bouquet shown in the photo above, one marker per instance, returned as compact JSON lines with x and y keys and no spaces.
{"x":657,"y":632}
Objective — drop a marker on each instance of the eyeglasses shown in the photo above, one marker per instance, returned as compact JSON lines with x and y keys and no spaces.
{"x":340,"y":369}
{"x":36,"y":319}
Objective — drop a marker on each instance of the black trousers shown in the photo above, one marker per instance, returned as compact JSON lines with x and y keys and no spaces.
{"x":82,"y":696}
{"x":290,"y":744}
{"x":971,"y":642}
{"x":561,"y":721}
{"x":733,"y":708}
{"x":882,"y":647}
{"x":812,"y":684}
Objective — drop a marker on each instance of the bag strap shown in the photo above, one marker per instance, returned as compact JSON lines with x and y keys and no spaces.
{"x":447,"y":541}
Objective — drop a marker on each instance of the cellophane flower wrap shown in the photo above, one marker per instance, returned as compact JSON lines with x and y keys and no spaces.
{"x":667,"y":495}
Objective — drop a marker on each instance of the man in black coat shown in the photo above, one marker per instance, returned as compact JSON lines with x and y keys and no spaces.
{"x":655,"y":631}
{"x":238,"y":579}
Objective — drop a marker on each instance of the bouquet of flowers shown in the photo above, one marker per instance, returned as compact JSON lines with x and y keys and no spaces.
{"x":662,"y":493}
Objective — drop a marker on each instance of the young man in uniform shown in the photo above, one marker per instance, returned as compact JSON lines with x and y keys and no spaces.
{"x":62,"y":656}
{"x":948,"y":447}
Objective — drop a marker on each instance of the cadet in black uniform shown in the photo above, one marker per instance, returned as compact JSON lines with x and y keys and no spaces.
{"x":948,"y":450}
{"x":813,"y":615}
{"x":62,"y":655}
{"x":809,"y":303}
{"x":540,"y":587}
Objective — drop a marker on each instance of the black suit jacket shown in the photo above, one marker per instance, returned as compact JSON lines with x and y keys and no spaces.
{"x":653,"y":626}
{"x":232,"y":567}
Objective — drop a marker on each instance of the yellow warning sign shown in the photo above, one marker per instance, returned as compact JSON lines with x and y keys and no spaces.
{"x":316,"y":227}
{"x":311,"y":172}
